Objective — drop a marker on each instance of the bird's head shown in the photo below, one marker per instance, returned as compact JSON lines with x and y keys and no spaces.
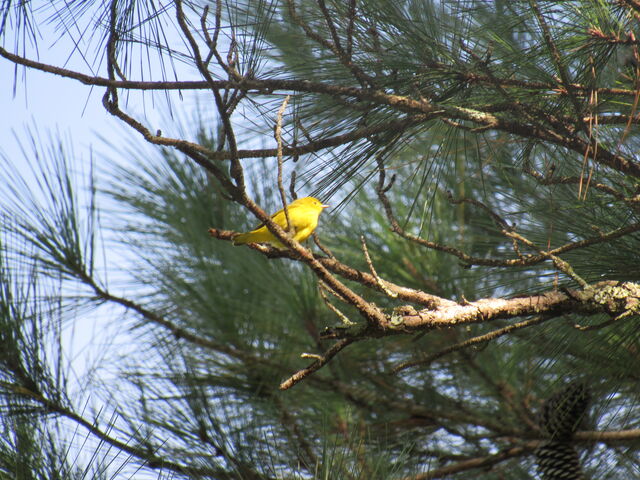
{"x":309,"y":202}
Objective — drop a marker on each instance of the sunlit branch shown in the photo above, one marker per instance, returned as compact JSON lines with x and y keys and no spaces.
{"x":612,"y":298}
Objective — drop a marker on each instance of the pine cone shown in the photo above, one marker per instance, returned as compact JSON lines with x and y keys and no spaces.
{"x":563,"y":412}
{"x":558,"y":461}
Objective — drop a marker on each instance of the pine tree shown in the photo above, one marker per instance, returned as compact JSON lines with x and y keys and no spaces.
{"x":482,"y":250}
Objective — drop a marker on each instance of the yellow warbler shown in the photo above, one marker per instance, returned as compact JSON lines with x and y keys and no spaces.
{"x":303,"y":215}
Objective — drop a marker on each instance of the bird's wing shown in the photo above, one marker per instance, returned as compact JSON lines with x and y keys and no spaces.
{"x":279,"y":217}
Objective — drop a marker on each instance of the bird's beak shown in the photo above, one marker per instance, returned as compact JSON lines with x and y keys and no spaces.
{"x":325,"y":206}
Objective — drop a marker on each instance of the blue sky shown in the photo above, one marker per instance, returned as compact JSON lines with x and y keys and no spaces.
{"x":50,"y":102}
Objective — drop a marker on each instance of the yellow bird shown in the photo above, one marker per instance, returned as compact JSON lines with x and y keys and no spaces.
{"x":303,"y":215}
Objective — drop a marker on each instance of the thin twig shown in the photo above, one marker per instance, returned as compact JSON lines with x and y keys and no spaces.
{"x":333,"y":292}
{"x":237,"y":172}
{"x":487,"y":337}
{"x":318,"y":364}
{"x":205,"y":32}
{"x":322,"y":247}
{"x":498,"y":220}
{"x":343,"y":318}
{"x":363,"y":78}
{"x":522,"y":260}
{"x":586,"y":328}
{"x":559,"y":263}
{"x":278,"y":135}
{"x":551,"y":179}
{"x":351,"y":15}
{"x":292,"y":186}
{"x":379,"y":280}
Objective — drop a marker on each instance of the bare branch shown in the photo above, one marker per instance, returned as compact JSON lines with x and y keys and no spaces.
{"x":343,"y":318}
{"x":318,"y":364}
{"x":612,"y":298}
{"x":379,"y":281}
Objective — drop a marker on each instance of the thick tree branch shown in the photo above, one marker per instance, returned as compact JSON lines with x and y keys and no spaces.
{"x":611,"y":298}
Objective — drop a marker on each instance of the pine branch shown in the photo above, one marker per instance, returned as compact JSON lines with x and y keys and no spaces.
{"x":318,"y":364}
{"x":505,"y":229}
{"x":612,"y":298}
{"x":266,"y":85}
{"x":347,"y":272}
{"x":147,"y":458}
{"x":405,"y":104}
